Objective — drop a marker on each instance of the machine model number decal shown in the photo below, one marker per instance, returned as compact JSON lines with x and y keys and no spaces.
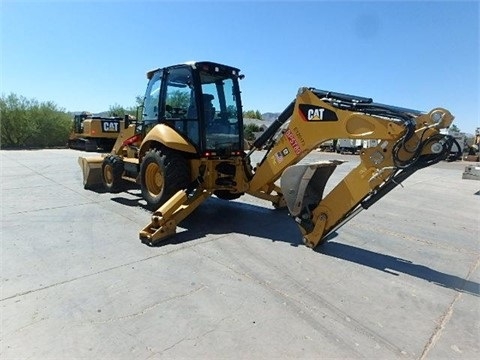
{"x":293,"y":141}
{"x":110,"y":126}
{"x":299,"y":136}
{"x":317,"y":113}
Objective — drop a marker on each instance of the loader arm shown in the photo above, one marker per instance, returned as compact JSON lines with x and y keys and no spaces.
{"x":408,"y":140}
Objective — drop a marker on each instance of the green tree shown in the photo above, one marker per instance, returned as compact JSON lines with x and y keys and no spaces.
{"x":178,"y":99}
{"x":454,"y":128}
{"x":29,"y":123}
{"x":249,"y":130}
{"x":118,"y":110}
{"x":53,"y":125}
{"x":252,"y":114}
{"x":16,"y":126}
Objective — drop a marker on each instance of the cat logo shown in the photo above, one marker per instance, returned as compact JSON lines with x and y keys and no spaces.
{"x":317,"y":113}
{"x":110,"y":126}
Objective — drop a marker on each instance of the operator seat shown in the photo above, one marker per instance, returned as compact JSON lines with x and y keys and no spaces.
{"x":208,"y":108}
{"x":215,"y":126}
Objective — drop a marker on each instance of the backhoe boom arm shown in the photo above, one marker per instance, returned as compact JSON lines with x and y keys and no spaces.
{"x":408,"y":140}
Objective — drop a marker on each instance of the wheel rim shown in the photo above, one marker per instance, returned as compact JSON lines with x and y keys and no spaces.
{"x":108,"y":174}
{"x":154,"y":179}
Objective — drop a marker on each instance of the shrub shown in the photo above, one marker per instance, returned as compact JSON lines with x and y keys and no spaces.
{"x":29,"y":123}
{"x":249,"y":131}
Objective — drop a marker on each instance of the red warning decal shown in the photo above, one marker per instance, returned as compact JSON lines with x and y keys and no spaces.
{"x":293,"y":141}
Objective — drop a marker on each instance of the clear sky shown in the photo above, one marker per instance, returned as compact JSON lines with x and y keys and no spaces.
{"x":88,"y":55}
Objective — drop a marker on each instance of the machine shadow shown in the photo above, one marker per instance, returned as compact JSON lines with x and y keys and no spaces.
{"x":216,"y":216}
{"x":221,"y":217}
{"x":130,"y":195}
{"x":127,"y":188}
{"x":393,"y":265}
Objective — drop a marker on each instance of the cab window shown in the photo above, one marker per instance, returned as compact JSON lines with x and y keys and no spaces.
{"x":180,"y":109}
{"x":152,"y":96}
{"x":221,"y":114}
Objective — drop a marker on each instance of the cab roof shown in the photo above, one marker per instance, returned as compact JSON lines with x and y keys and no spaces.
{"x":207,"y":65}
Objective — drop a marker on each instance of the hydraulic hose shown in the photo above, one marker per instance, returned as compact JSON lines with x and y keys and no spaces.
{"x":272,"y":129}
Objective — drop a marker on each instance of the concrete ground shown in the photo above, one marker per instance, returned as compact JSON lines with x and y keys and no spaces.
{"x":401,"y":280}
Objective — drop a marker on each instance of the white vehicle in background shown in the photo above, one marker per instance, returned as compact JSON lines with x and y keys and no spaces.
{"x":328,"y":145}
{"x":349,"y":146}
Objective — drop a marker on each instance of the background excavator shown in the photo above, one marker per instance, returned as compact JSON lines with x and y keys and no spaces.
{"x":189,"y":145}
{"x":92,"y":132}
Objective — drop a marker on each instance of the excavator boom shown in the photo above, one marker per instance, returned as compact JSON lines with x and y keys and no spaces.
{"x":408,"y":140}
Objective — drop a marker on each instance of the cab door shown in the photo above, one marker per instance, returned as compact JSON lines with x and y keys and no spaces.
{"x":151,"y":105}
{"x":180,"y":106}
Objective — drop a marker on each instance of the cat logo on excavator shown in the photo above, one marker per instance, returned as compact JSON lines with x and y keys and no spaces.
{"x":190,"y":146}
{"x":317,"y":113}
{"x":111,"y":126}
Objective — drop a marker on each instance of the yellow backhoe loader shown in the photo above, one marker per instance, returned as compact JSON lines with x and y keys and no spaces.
{"x":189,"y":145}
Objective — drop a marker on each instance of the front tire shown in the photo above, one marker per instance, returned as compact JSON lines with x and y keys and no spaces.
{"x":112,"y":171}
{"x":162,"y":173}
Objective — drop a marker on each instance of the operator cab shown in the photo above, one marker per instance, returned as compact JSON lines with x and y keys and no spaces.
{"x":78,"y":121}
{"x":201,"y":102}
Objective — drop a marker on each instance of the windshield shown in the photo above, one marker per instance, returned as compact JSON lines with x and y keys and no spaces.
{"x":222,"y":125}
{"x":150,"y":104}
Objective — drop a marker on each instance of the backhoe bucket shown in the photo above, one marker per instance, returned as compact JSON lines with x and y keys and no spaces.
{"x":303,"y":185}
{"x":92,"y":171}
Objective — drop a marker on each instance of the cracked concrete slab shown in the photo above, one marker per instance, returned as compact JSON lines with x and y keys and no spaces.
{"x":400,"y":280}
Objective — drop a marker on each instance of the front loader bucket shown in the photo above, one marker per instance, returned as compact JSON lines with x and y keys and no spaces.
{"x":303,"y":185}
{"x":92,"y":171}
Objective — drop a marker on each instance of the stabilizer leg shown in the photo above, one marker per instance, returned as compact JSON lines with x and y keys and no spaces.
{"x":165,"y":220}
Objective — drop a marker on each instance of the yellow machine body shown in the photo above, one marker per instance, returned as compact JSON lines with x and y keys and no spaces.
{"x":313,"y":121}
{"x":177,"y":174}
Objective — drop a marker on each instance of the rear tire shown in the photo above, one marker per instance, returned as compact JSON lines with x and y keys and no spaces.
{"x":112,"y":171}
{"x":162,"y":173}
